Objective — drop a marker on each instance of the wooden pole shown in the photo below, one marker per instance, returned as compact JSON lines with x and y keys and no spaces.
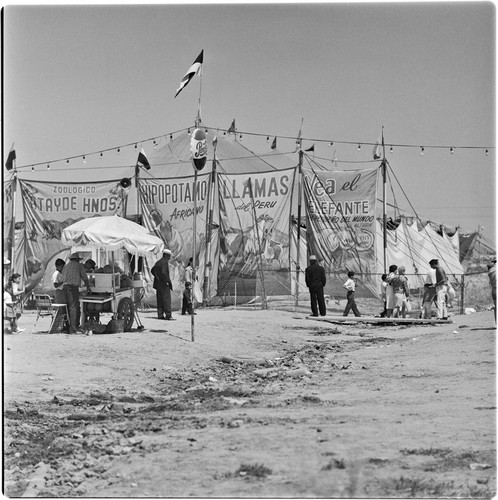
{"x":194,"y":263}
{"x":384,"y":210}
{"x":299,"y":203}
{"x":209,"y":226}
{"x":260,"y":265}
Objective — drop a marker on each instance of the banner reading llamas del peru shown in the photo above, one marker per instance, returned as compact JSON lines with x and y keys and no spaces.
{"x":340,"y":209}
{"x":49,"y":207}
{"x":254,"y":222}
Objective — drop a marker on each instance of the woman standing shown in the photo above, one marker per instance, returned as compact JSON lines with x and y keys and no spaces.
{"x":399,"y":284}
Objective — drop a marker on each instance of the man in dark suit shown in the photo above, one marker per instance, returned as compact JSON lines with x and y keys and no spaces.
{"x":315,"y":281}
{"x":162,"y":285}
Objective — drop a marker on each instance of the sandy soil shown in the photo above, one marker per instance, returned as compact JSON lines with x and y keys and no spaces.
{"x":263,"y":403}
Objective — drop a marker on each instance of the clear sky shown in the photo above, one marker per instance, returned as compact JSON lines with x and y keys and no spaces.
{"x":81,"y":79}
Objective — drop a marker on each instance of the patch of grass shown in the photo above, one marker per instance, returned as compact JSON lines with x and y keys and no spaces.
{"x":335,"y":464}
{"x":409,"y":487}
{"x":433,"y":452}
{"x":257,"y":471}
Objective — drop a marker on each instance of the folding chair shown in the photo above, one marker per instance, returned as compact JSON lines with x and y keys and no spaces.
{"x":58,"y":312}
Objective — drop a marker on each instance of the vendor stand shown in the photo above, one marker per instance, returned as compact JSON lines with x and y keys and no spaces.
{"x":112,"y":292}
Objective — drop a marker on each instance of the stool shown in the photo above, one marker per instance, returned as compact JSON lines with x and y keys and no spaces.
{"x":60,"y":319}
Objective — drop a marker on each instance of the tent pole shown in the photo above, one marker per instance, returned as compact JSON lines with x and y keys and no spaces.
{"x":13,"y":224}
{"x":209,"y":225}
{"x":137,"y":188}
{"x":299,"y":202}
{"x":260,"y":265}
{"x":384,"y":214}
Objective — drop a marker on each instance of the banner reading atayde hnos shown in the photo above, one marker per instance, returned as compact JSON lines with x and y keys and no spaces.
{"x":49,"y":207}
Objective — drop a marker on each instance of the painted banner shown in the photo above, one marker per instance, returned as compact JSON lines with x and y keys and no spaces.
{"x":254,"y":221}
{"x":340,"y":209}
{"x":167,"y":206}
{"x":49,"y":207}
{"x":8,"y":211}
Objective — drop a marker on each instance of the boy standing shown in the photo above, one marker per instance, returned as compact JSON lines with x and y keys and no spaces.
{"x":187,"y":299}
{"x":350,"y":286}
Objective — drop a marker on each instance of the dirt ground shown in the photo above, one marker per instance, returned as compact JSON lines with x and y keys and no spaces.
{"x":263,"y":403}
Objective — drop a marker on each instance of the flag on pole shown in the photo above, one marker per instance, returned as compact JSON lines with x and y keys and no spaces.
{"x":376,"y":150}
{"x":231,"y":130}
{"x":192,"y":71}
{"x":10,"y":159}
{"x":142,"y":160}
{"x":274,"y":144}
{"x":298,"y":139}
{"x":311,"y":148}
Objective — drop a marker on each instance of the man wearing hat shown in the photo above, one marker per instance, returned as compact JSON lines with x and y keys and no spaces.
{"x":72,"y":276}
{"x":162,"y":285}
{"x":315,"y":281}
{"x":441,"y":289}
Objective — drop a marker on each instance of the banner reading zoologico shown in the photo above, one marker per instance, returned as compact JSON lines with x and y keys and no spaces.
{"x":254,"y":220}
{"x":340,"y":209}
{"x":49,"y":207}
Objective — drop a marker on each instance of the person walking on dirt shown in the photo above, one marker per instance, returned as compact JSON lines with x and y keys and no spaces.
{"x":350,"y":286}
{"x":315,"y":281}
{"x":162,"y":285}
{"x":441,"y":289}
{"x":72,"y":276}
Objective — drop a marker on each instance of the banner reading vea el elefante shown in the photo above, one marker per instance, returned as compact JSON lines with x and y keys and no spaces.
{"x":49,"y":207}
{"x":340,"y":209}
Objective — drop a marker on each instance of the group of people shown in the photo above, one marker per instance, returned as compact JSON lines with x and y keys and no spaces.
{"x":395,"y":291}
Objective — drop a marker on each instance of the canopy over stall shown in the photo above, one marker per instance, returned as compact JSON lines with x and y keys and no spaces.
{"x":112,"y":233}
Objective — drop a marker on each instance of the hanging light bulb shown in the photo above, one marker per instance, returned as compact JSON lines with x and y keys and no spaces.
{"x":32,"y":169}
{"x":224,"y":133}
{"x":170,"y":137}
{"x":331,"y":144}
{"x":48,"y":166}
{"x":84,"y":160}
{"x":188,"y":131}
{"x":452,"y":150}
{"x":267,"y":138}
{"x":155,"y":145}
{"x":391,"y":149}
{"x":359,"y":147}
{"x":135,"y":146}
{"x":101,"y":155}
{"x":240,"y":136}
{"x":119,"y":150}
{"x":67,"y":162}
{"x":487,"y":152}
{"x":421,"y":150}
